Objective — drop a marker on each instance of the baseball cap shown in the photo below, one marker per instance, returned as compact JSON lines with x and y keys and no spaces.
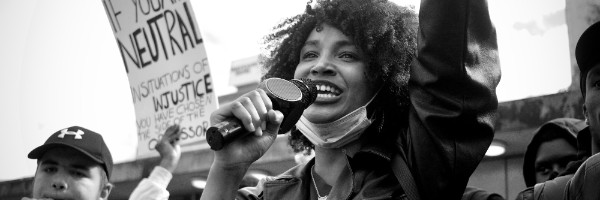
{"x":81,"y":139}
{"x":587,"y":52}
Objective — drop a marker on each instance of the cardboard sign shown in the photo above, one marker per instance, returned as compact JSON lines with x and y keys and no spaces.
{"x":165,"y":60}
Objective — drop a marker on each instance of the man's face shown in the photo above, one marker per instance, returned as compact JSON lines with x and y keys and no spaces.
{"x":552,"y":159}
{"x":65,"y":173}
{"x":591,"y":105}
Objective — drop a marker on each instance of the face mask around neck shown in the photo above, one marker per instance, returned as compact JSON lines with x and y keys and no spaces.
{"x":338,"y":133}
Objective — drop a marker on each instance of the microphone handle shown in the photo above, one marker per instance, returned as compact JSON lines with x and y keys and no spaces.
{"x":228,"y":130}
{"x":222,"y":133}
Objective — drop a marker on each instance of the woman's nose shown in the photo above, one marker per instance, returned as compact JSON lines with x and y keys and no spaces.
{"x":323,"y":68}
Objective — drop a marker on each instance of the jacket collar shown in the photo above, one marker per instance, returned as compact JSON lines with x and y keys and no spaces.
{"x":294,"y":183}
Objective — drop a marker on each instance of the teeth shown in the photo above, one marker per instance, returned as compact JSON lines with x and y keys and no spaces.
{"x":326,"y":88}
{"x":325,"y":95}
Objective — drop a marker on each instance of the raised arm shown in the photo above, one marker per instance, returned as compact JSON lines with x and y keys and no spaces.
{"x":452,"y":91}
{"x":154,"y":187}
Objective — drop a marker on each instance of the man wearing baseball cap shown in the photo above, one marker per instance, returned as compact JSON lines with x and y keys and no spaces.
{"x":73,"y":163}
{"x":585,"y":182}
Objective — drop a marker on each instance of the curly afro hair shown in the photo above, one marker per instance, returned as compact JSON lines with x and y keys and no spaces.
{"x":383,"y":30}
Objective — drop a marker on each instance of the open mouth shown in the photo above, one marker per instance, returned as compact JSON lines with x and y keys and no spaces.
{"x":327,"y":89}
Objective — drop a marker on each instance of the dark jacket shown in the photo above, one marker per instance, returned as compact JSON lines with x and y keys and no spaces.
{"x":585,"y":184}
{"x":450,"y":122}
{"x":367,"y":176}
{"x":569,"y":128}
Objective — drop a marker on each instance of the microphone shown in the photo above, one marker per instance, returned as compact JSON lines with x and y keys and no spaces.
{"x":289,"y":97}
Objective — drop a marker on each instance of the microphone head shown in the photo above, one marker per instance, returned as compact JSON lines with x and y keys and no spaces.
{"x":308,"y":89}
{"x":282,"y":89}
{"x":290,"y":97}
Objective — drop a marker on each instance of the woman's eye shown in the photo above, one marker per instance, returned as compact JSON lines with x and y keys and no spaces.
{"x":309,"y":55}
{"x":348,"y":56}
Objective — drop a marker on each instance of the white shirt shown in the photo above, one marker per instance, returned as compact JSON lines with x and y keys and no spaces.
{"x":153,"y":187}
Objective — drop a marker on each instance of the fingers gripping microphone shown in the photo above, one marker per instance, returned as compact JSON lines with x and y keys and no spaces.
{"x":289,"y":97}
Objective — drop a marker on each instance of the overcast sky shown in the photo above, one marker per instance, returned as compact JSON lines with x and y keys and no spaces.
{"x":60,"y":65}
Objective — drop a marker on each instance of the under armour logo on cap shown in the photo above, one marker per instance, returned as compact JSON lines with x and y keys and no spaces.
{"x":92,"y":146}
{"x":77,"y":134}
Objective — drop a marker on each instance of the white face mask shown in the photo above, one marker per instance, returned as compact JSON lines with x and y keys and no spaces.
{"x":338,"y":133}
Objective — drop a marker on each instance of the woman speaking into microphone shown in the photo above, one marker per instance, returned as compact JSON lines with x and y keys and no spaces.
{"x":391,"y":120}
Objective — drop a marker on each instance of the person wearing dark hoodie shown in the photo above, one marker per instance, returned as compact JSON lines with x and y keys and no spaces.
{"x":552,"y":147}
{"x":548,"y":156}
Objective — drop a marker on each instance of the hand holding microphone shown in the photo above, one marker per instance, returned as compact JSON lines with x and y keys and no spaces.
{"x":289,"y":97}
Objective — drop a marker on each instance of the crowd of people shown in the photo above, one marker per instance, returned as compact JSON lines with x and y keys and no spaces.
{"x":405,"y":110}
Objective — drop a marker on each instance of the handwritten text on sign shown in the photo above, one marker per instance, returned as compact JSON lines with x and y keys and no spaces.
{"x":169,"y":75}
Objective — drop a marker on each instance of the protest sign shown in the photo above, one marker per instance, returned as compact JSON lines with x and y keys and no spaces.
{"x":169,"y":76}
